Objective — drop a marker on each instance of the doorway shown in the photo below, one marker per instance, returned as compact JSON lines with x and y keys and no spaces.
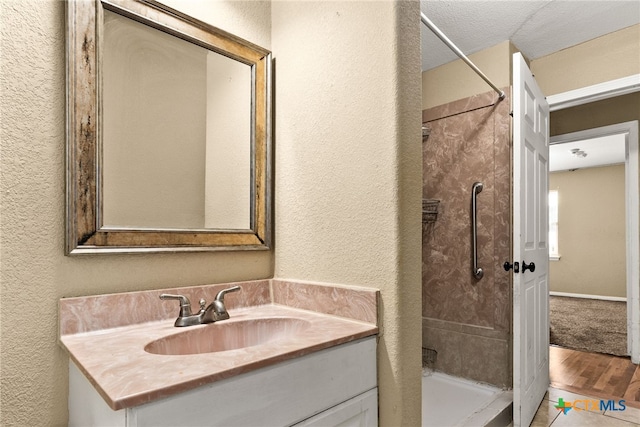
{"x":631,"y":139}
{"x":629,"y":132}
{"x":596,"y":102}
{"x":589,"y":256}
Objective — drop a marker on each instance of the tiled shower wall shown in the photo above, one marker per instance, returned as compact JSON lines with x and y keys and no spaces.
{"x":467,"y":322}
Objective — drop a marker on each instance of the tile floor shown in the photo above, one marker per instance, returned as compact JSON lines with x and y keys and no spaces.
{"x":548,"y":415}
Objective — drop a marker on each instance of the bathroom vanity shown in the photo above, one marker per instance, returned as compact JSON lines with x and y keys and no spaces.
{"x":325,"y":388}
{"x":277,"y":362}
{"x":288,"y":353}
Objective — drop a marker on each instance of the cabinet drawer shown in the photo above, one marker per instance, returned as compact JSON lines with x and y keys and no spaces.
{"x":360,"y":411}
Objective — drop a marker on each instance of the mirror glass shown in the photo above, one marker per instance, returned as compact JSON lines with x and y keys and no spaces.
{"x":176,"y":132}
{"x":168,"y":132}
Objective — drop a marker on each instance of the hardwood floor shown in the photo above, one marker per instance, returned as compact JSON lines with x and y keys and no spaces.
{"x":593,"y":374}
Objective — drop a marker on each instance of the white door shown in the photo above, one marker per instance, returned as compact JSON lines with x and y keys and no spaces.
{"x":530,"y":244}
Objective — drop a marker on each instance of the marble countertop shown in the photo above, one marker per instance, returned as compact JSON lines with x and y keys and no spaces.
{"x":116,"y":363}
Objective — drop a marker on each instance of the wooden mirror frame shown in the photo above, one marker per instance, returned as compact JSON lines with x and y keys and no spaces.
{"x":84,"y":230}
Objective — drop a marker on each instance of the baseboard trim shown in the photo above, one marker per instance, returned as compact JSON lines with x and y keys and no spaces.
{"x":586,"y":296}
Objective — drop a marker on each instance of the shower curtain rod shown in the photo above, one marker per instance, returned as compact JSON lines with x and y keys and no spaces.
{"x":435,"y":30}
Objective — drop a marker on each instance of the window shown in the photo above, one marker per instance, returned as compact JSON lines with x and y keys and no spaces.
{"x":553,"y":225}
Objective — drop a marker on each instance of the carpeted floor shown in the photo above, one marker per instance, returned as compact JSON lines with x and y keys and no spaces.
{"x":590,"y":325}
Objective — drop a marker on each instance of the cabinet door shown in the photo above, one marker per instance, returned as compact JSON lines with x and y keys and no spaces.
{"x":360,"y":411}
{"x":86,"y":406}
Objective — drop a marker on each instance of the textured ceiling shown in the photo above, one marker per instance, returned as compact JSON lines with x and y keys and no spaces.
{"x":537,"y":28}
{"x":607,"y":150}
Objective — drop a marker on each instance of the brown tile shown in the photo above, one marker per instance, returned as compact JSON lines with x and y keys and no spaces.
{"x":469,"y":142}
{"x":615,"y":379}
{"x":599,"y":375}
{"x":465,"y":104}
{"x":633,"y":392}
{"x":458,"y":153}
{"x":470,"y":356}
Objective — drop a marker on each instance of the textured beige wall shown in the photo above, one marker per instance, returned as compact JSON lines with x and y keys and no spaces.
{"x":591,"y":232}
{"x":606,"y":58}
{"x":609,"y":111}
{"x":34,"y":271}
{"x":456,"y":80}
{"x":609,"y":57}
{"x":348,"y":168}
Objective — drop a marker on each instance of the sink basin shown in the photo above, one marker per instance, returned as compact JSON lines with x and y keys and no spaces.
{"x":228,"y":335}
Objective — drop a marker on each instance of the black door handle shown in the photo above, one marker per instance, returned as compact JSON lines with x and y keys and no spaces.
{"x":508,"y":266}
{"x":531,"y":267}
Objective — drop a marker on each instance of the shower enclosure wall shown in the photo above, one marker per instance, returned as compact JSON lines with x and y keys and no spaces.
{"x":467,"y":321}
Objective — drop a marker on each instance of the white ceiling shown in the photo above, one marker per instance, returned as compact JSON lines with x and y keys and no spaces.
{"x":601,"y":151}
{"x":537,"y":28}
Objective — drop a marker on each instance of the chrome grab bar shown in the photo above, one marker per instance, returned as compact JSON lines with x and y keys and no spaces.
{"x":477,"y":188}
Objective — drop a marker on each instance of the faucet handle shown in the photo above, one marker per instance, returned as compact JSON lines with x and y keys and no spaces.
{"x":222,"y":293}
{"x":185,"y":304}
{"x":219,"y":310}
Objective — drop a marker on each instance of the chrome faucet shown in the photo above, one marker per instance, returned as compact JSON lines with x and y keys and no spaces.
{"x":216,"y":311}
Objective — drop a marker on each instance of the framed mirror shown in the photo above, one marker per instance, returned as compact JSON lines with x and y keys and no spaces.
{"x":168,"y":132}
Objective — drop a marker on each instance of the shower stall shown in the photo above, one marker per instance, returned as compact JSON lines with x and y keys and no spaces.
{"x":467,"y":316}
{"x":466,"y":238}
{"x":466,"y":294}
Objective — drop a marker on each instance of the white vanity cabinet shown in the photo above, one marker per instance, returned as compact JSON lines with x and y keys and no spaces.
{"x":332,"y":387}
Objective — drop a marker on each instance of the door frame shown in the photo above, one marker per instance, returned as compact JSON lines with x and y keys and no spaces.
{"x":597,"y":92}
{"x":632,"y":215}
{"x":593,"y":93}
